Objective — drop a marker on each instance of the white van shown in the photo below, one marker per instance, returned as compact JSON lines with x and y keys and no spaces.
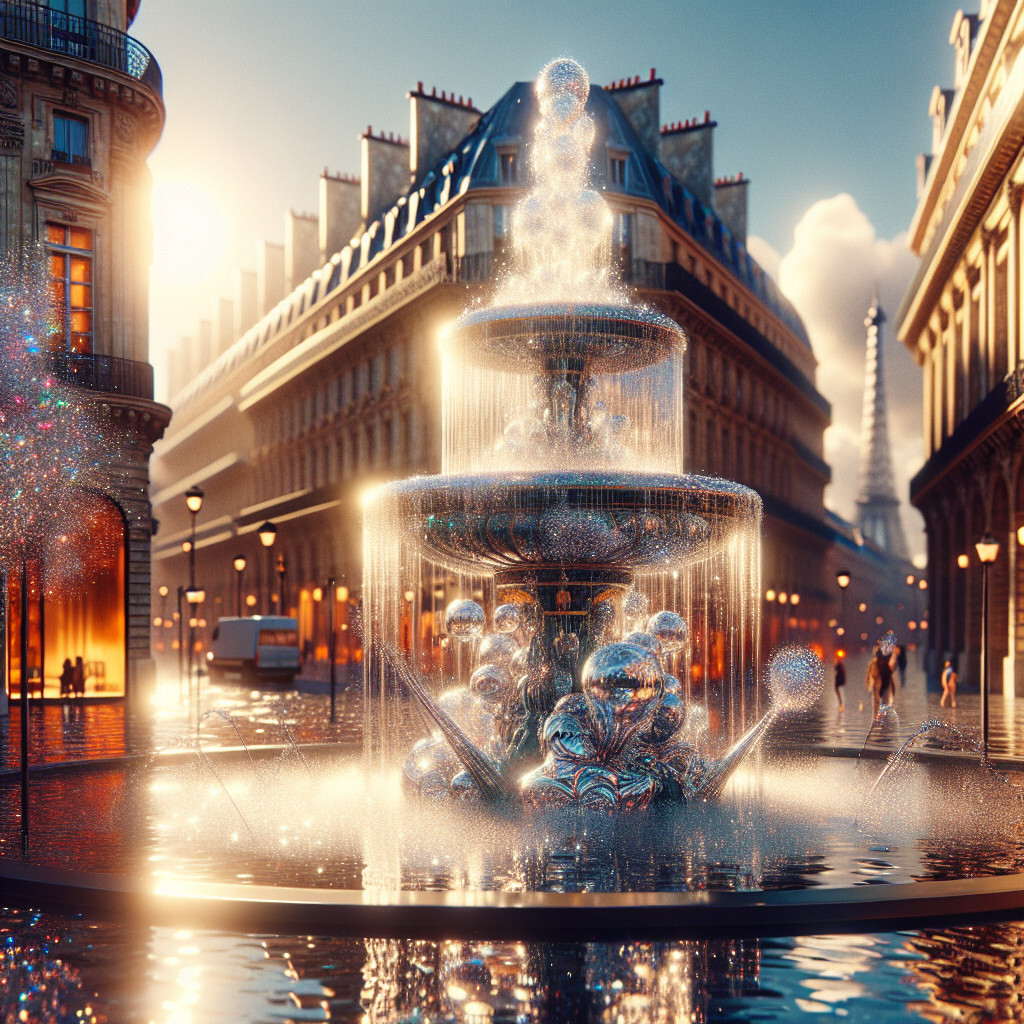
{"x":262,"y":648}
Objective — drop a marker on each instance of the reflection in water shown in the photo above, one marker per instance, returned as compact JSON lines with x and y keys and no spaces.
{"x":56,"y":968}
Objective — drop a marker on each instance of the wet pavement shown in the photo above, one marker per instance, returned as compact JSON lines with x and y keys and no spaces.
{"x":230,"y":714}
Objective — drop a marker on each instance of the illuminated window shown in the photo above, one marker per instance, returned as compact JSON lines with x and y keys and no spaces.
{"x":71,"y":255}
{"x":71,"y":140}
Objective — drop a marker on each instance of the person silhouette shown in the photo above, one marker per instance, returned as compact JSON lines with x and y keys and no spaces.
{"x":67,"y":678}
{"x":79,"y":677}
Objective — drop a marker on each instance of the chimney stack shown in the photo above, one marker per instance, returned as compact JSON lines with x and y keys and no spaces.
{"x":340,"y":212}
{"x":243,"y":301}
{"x":686,"y":151}
{"x":640,"y":102}
{"x":301,"y":248}
{"x":269,"y":276}
{"x":731,"y":205}
{"x":437,"y":124}
{"x":385,"y":172}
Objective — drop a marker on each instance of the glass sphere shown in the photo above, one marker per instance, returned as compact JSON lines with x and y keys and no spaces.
{"x":648,"y":641}
{"x":671,"y":629}
{"x":507,"y":618}
{"x":464,"y":619}
{"x":795,"y":678}
{"x":497,"y":649}
{"x":625,"y":676}
{"x":490,"y":682}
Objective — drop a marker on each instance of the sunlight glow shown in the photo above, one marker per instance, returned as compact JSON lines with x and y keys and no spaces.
{"x":189,"y":233}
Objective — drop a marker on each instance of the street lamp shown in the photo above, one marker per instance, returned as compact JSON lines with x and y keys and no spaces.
{"x":988,"y":551}
{"x":268,"y":534}
{"x":843,"y":579}
{"x":195,"y":597}
{"x":239,"y":564}
{"x":194,"y":502}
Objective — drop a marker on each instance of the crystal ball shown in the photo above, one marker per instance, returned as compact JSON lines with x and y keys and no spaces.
{"x":671,"y":629}
{"x":497,"y":649}
{"x":490,"y":682}
{"x":506,"y":618}
{"x":464,"y":619}
{"x":626,"y":677}
{"x":795,"y":678}
{"x":648,"y":641}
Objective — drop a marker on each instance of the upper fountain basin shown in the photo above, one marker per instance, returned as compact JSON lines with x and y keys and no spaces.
{"x":609,"y":338}
{"x":630,"y":521}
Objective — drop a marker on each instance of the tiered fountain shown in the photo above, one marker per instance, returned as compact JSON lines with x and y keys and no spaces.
{"x":563,"y":509}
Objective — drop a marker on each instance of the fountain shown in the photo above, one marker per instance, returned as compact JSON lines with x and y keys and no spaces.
{"x":563,"y":506}
{"x":564,"y":704}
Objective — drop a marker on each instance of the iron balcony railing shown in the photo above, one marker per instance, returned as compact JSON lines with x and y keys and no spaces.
{"x":36,"y":25}
{"x":105,"y":373}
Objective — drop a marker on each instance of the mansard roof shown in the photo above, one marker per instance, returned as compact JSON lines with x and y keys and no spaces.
{"x":474,"y":164}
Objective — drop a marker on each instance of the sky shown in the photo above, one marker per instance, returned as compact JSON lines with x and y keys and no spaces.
{"x":822,"y":104}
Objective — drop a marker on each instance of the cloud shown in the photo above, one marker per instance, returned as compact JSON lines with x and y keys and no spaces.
{"x":834,"y":268}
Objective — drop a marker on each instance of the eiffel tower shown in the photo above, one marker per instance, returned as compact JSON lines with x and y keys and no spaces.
{"x":878,"y":508}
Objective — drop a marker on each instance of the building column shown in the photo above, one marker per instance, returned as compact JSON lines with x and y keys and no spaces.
{"x":988,"y":316}
{"x":1013,"y":286}
{"x":1013,"y":667}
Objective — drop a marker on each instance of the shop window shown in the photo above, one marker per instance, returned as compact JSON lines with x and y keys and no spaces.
{"x":71,"y":272}
{"x":82,"y":614}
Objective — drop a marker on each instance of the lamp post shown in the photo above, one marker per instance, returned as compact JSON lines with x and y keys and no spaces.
{"x":332,"y":598}
{"x":843,"y":579}
{"x":239,"y":564}
{"x":181,"y":647}
{"x":988,"y":551}
{"x":194,"y":502}
{"x":195,"y":597}
{"x":282,"y":570}
{"x":268,"y":534}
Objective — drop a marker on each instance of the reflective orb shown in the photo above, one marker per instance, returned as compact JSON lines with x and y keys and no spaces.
{"x":464,"y":787}
{"x":667,"y":720}
{"x":562,"y":90}
{"x":629,"y":680}
{"x":490,"y":682}
{"x":506,"y":618}
{"x":671,"y":629}
{"x":673,"y":685}
{"x":648,"y":641}
{"x":497,"y":649}
{"x":464,"y":619}
{"x":795,"y":678}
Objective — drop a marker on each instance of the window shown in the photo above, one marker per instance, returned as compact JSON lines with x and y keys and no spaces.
{"x":71,"y":140}
{"x":508,"y":166}
{"x":617,"y":170}
{"x":71,"y":254}
{"x":76,"y":8}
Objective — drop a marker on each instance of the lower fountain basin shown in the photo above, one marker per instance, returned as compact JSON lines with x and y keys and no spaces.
{"x":618,"y":521}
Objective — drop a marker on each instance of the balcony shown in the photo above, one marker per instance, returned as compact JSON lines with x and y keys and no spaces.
{"x":108,"y":374}
{"x":57,"y":32}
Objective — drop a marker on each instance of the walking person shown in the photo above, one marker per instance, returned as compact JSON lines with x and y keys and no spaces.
{"x":879,"y":680}
{"x":948,"y":685}
{"x":840,"y":678}
{"x":67,"y":678}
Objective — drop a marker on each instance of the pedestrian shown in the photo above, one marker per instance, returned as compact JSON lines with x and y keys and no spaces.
{"x":879,"y":680}
{"x":67,"y":678}
{"x":948,"y":685}
{"x":78,"y":683}
{"x":840,"y":678}
{"x":901,"y":663}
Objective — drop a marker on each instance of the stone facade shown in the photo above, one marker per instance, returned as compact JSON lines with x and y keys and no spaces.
{"x":61,"y":74}
{"x":961,"y":318}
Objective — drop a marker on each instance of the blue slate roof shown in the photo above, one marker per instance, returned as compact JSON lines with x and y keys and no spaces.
{"x":474,"y":164}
